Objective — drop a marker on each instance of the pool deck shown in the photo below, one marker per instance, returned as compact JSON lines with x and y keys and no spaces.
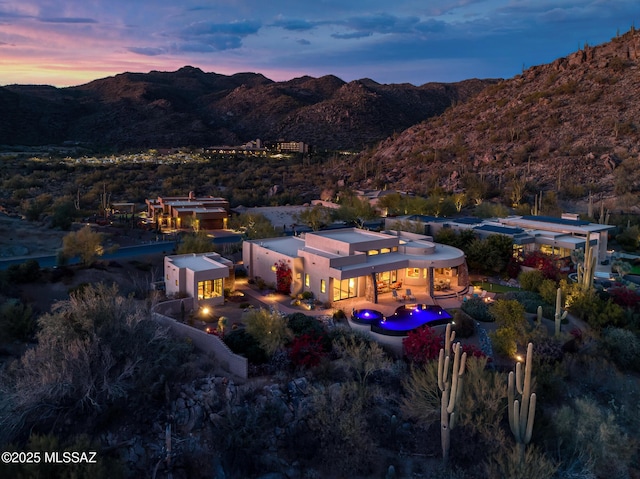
{"x":386,"y":303}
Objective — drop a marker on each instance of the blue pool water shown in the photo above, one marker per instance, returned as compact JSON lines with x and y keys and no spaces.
{"x":403,"y":320}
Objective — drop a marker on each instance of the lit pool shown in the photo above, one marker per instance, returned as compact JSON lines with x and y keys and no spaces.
{"x":405,"y":319}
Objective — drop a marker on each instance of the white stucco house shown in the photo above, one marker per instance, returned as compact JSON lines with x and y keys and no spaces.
{"x":201,"y":277}
{"x":348,"y":263}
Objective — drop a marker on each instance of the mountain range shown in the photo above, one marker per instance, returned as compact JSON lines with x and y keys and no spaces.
{"x":189,"y":107}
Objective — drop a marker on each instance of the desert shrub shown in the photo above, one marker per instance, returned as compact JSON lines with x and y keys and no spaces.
{"x":339,"y":315}
{"x":269,"y":328}
{"x":421,"y":398}
{"x":464,"y":325}
{"x":477,"y":309}
{"x":307,"y":351}
{"x":591,"y":436}
{"x":26,"y":272}
{"x":341,"y":439}
{"x":503,"y":341}
{"x":507,"y":464}
{"x":548,"y":290}
{"x":300,"y":323}
{"x":360,"y":357}
{"x":510,"y":314}
{"x":16,"y":321}
{"x":422,"y":345}
{"x":531,"y":280}
{"x":597,"y":312}
{"x":94,"y":351}
{"x":306,"y":295}
{"x":623,"y":347}
{"x":241,"y":342}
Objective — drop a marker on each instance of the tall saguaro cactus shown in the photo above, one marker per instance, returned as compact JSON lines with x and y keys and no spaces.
{"x":522,"y":411}
{"x":559,"y":316}
{"x":450,"y":385}
{"x":587,"y":268}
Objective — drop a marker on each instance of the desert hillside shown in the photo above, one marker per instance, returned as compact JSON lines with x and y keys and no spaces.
{"x":570,"y":126}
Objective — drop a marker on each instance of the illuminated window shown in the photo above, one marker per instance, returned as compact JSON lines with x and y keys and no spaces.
{"x":384,"y":250}
{"x":394,"y":249}
{"x":307,"y":281}
{"x":211,"y":288}
{"x":372,"y":252}
{"x":323,"y":286}
{"x":273,"y":268}
{"x":344,"y":289}
{"x":413,"y":272}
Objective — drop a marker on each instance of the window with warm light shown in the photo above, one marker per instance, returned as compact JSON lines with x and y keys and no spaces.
{"x":413,"y":272}
{"x":385,"y":250}
{"x":307,"y":281}
{"x":273,"y":268}
{"x":211,"y":288}
{"x":372,"y":252}
{"x":323,"y":286}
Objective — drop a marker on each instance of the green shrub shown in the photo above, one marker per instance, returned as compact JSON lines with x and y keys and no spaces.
{"x":623,"y":347}
{"x":504,"y":342}
{"x":591,"y":436}
{"x":477,"y":309}
{"x":16,"y":321}
{"x":464,"y":325}
{"x":531,"y":280}
{"x":242,"y":343}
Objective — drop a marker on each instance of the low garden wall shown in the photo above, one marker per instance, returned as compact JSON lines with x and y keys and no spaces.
{"x":208,"y":343}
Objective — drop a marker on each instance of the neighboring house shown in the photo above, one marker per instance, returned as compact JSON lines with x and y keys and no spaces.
{"x":348,"y":263}
{"x":182,"y":212}
{"x":554,"y":236}
{"x":202,"y":277}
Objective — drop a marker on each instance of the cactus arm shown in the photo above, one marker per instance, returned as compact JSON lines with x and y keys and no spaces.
{"x":519,"y":380}
{"x":441,"y":370}
{"x":510,"y":397}
{"x":531,"y":417}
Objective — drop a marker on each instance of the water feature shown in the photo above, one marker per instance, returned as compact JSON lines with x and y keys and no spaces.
{"x":405,"y":319}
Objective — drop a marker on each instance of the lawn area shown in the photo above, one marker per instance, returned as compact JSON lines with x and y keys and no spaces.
{"x":493,"y":287}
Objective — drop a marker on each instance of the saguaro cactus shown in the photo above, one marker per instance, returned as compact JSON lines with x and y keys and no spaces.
{"x":450,"y":385}
{"x":521,"y":411}
{"x":586,"y":269}
{"x":559,"y":316}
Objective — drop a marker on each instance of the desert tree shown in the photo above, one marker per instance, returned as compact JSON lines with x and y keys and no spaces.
{"x":84,"y":243}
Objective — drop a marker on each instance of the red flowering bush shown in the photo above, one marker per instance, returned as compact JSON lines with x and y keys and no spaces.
{"x":306,"y":351}
{"x":422,"y":345}
{"x":543,"y":262}
{"x":284,"y":277}
{"x":473,"y":351}
{"x":625,"y":297}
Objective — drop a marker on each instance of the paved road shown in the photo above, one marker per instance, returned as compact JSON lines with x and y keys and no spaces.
{"x":124,"y":252}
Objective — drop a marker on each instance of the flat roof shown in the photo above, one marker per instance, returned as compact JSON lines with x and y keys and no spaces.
{"x":505,"y":230}
{"x":351,"y":235}
{"x":287,"y":245}
{"x":548,"y":223}
{"x":198,"y":262}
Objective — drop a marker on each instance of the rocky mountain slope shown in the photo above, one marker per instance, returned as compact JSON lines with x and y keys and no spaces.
{"x":572,"y":126}
{"x":192,"y":108}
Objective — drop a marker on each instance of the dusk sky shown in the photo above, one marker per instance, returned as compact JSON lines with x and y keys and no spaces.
{"x":72,"y":42}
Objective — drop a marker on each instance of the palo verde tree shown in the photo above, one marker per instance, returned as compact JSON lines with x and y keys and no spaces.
{"x":84,"y":243}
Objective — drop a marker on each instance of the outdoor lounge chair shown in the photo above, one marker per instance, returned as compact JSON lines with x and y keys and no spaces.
{"x":409,"y":295}
{"x":394,"y":293}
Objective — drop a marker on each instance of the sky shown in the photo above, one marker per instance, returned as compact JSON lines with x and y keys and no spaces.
{"x":72,"y":42}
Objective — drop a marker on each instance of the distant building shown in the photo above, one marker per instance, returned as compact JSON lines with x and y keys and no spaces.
{"x":554,"y":236}
{"x":182,"y":212}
